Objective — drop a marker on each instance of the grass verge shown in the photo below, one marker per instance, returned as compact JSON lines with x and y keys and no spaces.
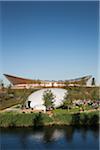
{"x":12,"y":119}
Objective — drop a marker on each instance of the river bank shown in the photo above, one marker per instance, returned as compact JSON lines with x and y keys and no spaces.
{"x":15,"y":119}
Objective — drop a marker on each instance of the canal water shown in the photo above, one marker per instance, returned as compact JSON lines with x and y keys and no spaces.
{"x":50,"y":138}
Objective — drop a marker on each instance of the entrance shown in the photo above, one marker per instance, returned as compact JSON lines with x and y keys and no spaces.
{"x":29,"y":102}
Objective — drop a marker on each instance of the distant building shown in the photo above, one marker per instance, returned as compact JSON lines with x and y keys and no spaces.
{"x":19,"y":82}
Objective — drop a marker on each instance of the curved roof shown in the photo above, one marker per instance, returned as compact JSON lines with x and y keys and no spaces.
{"x":36,"y":98}
{"x":18,"y":80}
{"x":81,"y":78}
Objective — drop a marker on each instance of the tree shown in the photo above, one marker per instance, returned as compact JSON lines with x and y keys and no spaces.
{"x":48,"y":98}
{"x":67,"y":100}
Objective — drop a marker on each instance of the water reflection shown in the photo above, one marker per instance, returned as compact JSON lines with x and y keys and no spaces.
{"x":69,"y":137}
{"x":69,"y":133}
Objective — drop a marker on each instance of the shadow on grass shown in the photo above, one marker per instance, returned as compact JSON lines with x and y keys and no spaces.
{"x":38,"y":120}
{"x":75,"y":119}
{"x":85,"y":119}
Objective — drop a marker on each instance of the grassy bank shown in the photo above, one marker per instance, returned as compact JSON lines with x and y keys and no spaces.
{"x":11,"y":97}
{"x":11,"y":119}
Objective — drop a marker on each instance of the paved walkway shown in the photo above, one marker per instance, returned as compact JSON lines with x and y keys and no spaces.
{"x":14,"y":109}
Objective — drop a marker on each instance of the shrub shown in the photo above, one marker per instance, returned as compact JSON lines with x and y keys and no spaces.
{"x":48,"y":98}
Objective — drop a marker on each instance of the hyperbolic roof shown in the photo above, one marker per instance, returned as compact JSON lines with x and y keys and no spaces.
{"x":18,"y":80}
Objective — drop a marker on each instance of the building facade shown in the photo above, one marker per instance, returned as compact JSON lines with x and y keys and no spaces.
{"x":20,"y":83}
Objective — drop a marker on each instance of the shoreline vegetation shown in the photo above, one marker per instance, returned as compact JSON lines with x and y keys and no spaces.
{"x":58,"y":117}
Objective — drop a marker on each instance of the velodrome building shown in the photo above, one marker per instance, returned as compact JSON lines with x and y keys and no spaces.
{"x":20,"y":83}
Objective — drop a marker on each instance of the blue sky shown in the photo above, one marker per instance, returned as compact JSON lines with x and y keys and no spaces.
{"x":49,"y":40}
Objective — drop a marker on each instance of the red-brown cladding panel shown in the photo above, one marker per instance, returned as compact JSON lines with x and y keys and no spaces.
{"x":17,"y":80}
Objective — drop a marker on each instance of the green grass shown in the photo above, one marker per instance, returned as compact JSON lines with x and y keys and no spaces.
{"x":60,"y":117}
{"x":75,"y":117}
{"x":66,"y":111}
{"x":13,"y":119}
